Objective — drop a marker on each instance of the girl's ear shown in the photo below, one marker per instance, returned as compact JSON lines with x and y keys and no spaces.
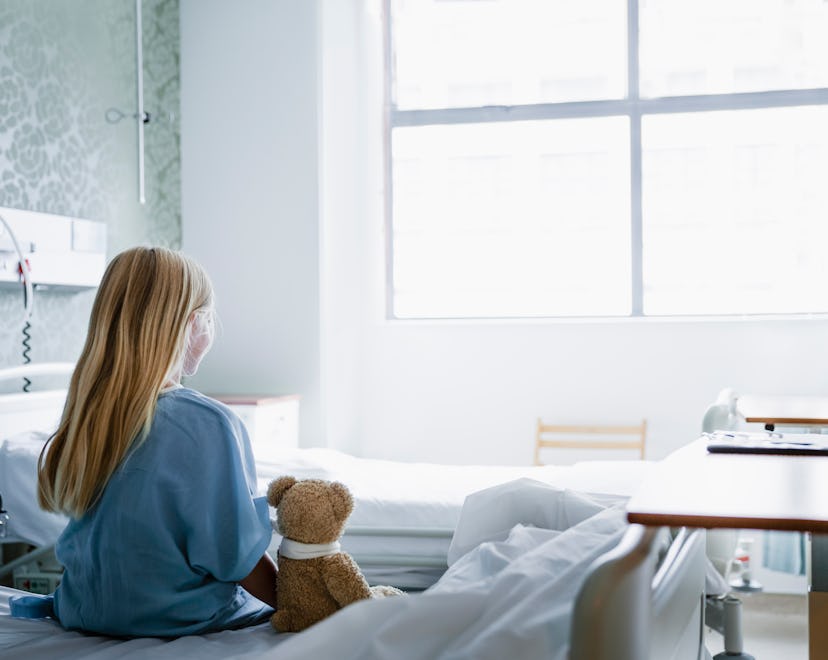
{"x":277,"y":489}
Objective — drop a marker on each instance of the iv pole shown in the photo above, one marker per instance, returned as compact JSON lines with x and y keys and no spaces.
{"x":140,"y":116}
{"x":113,"y":115}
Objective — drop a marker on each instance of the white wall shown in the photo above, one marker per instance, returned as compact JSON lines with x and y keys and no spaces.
{"x":352,"y":221}
{"x":450,"y":392}
{"x":250,"y":188}
{"x":472,"y":393}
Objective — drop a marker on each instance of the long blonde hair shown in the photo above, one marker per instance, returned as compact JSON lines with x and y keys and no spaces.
{"x":136,"y":340}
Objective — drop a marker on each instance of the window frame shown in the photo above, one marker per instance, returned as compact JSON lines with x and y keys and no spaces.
{"x":634,"y":107}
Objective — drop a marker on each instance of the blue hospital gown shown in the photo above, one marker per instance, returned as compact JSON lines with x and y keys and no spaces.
{"x":177,"y":527}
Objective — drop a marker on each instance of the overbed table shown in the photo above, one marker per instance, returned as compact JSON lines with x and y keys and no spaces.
{"x":809,"y":412}
{"x":695,"y":488}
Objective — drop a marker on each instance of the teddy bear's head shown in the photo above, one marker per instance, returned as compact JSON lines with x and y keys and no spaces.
{"x":310,"y":510}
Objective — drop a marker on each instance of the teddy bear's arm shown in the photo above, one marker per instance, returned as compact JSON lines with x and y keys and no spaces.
{"x":344,"y":580}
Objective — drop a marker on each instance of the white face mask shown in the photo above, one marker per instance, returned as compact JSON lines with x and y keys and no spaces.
{"x":199,"y":340}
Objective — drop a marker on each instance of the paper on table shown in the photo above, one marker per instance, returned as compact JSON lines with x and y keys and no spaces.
{"x":801,"y":444}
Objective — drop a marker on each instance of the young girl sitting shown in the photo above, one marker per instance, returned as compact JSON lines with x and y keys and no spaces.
{"x":165,"y":536}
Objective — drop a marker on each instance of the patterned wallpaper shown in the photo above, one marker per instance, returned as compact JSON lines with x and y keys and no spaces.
{"x":63,"y":64}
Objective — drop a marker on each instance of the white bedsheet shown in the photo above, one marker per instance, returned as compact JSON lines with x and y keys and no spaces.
{"x":507,"y":598}
{"x":402,"y":494}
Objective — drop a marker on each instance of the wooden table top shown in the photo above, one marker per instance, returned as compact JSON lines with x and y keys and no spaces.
{"x":784,"y":410}
{"x":694,"y":488}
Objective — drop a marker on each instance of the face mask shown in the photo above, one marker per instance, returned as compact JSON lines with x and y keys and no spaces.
{"x":199,"y":340}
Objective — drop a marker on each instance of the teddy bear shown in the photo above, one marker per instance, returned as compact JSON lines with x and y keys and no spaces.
{"x":315,"y":577}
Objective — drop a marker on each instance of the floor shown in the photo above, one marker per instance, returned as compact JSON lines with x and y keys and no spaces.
{"x":774,"y":627}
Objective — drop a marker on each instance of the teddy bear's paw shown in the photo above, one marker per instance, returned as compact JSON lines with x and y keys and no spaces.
{"x":281,"y":621}
{"x":384,"y":591}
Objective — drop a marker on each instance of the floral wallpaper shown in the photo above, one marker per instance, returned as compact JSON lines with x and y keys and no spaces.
{"x":63,"y":65}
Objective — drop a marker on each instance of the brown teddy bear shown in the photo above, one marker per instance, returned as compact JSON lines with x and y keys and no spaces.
{"x":315,"y":577}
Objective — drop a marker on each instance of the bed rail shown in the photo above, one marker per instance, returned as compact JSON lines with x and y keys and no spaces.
{"x":405,"y":532}
{"x":37,"y":369}
{"x":635,"y":605}
{"x":679,"y":600}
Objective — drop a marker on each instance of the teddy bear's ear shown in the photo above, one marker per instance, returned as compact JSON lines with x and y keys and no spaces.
{"x":277,"y":489}
{"x":341,"y":500}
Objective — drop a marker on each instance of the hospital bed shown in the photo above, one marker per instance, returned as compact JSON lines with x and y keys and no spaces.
{"x":613,"y":591}
{"x":405,"y":513}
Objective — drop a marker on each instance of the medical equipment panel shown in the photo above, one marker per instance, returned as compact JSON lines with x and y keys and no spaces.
{"x":61,"y":251}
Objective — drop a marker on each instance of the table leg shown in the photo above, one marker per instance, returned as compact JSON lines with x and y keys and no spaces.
{"x":818,"y":598}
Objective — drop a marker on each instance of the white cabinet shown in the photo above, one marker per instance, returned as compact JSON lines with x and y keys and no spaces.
{"x":272,"y":422}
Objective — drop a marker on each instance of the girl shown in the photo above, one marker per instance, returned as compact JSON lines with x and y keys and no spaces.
{"x":157,"y":478}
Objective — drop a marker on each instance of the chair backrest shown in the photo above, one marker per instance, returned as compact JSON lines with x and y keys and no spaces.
{"x":590,"y":436}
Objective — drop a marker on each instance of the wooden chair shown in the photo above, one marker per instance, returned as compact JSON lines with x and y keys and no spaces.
{"x":590,"y":436}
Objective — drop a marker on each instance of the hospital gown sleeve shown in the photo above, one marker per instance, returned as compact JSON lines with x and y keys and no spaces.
{"x":227,"y":529}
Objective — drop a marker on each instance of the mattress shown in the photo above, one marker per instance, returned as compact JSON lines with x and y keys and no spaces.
{"x":423,"y":495}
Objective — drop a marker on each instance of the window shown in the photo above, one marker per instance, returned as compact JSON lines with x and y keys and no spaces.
{"x":603,"y":158}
